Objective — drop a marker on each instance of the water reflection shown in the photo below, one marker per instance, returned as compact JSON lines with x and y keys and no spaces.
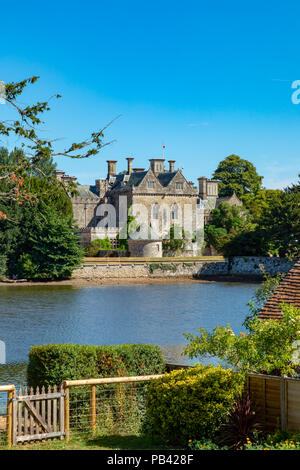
{"x":156,"y":314}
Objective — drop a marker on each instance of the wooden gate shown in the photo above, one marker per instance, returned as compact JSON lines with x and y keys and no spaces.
{"x":38,"y":415}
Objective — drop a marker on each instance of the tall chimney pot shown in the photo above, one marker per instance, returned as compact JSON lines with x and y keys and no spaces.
{"x":202,"y":187}
{"x":111,"y":168}
{"x":129,"y":165}
{"x":171,"y":165}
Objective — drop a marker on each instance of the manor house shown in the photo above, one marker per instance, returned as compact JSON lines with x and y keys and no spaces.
{"x":165,"y":193}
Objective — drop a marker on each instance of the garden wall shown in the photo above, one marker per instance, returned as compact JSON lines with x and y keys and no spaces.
{"x":205,"y":267}
{"x":246,"y":266}
{"x":137,"y":269}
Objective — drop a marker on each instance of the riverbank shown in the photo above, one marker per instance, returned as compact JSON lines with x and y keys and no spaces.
{"x":80,"y":282}
{"x":134,"y":281}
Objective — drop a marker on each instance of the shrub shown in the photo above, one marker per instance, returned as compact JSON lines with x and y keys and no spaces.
{"x":191,"y":403}
{"x":270,"y":347}
{"x":242,"y":425}
{"x":97,"y":245}
{"x":51,"y":364}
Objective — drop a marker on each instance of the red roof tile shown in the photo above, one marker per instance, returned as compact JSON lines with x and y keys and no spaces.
{"x":288,"y":291}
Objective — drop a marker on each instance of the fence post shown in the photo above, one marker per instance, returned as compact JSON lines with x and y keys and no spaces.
{"x":283,"y":402}
{"x":67,"y":412}
{"x":10,"y":397}
{"x":93,"y":408}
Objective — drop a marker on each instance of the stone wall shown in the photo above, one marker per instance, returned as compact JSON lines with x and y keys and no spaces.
{"x":246,"y":266}
{"x":124,"y":270}
{"x":145,"y":248}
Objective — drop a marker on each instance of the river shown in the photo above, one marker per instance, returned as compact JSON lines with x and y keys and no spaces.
{"x":157,"y":314}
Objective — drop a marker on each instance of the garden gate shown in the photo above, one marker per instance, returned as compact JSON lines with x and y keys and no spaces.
{"x":38,"y":415}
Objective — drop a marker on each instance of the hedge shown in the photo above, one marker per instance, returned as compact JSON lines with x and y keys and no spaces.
{"x":51,"y":364}
{"x":191,"y":403}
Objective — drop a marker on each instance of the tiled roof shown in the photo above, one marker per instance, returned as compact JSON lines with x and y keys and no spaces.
{"x":288,"y":291}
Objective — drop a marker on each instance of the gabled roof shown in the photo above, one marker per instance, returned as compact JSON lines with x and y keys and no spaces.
{"x":288,"y":292}
{"x":136,"y":178}
{"x":233,"y":199}
{"x":87,"y":192}
{"x":165,"y":178}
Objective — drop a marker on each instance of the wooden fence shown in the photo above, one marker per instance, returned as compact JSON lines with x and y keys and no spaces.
{"x":40,"y":414}
{"x":277,"y":401}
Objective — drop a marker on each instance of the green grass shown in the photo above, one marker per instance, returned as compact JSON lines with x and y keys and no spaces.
{"x":110,"y":442}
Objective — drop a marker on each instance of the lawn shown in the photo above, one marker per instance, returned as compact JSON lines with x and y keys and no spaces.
{"x":110,"y":442}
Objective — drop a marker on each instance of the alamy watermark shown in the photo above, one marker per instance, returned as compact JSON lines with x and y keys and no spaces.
{"x":152,"y":222}
{"x":2,"y":352}
{"x":296,"y":94}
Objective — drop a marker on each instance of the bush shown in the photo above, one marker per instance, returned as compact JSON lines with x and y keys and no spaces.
{"x":2,"y":265}
{"x":97,"y":245}
{"x":53,"y":363}
{"x":191,"y":403}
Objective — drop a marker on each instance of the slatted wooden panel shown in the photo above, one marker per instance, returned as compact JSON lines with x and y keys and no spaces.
{"x":277,"y":401}
{"x":38,"y":414}
{"x":265,"y":393}
{"x":293,"y":404}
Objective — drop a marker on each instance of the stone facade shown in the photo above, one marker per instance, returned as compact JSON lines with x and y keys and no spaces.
{"x":159,"y":199}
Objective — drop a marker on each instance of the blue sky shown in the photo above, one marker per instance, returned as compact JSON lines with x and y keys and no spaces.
{"x":206,"y":78}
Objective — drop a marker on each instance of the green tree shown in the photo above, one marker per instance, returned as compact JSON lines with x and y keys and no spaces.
{"x":269,"y":347}
{"x":237,"y":175}
{"x":29,"y":218}
{"x":38,"y":149}
{"x":256,"y":203}
{"x":280,"y":221}
{"x":53,"y":248}
{"x":227,"y":222}
{"x":44,"y":167}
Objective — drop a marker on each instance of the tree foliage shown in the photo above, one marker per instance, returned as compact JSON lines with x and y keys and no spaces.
{"x":11,"y":159}
{"x":269,"y":347}
{"x":37,"y":150}
{"x":237,"y":175}
{"x":38,"y":238}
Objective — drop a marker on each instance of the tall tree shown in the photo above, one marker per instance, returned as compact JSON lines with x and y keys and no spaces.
{"x":37,"y":149}
{"x":45,"y":167}
{"x":237,"y":175}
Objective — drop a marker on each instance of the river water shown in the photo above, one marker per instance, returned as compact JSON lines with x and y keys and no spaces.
{"x":157,"y":314}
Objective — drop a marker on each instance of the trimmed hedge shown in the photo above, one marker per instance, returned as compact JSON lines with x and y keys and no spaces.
{"x":53,"y":363}
{"x":191,"y":403}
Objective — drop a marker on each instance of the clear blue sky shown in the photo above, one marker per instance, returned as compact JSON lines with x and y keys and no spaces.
{"x":206,"y":78}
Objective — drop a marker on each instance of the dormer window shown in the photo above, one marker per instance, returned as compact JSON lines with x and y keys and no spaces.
{"x":178,"y":185}
{"x":151,"y":184}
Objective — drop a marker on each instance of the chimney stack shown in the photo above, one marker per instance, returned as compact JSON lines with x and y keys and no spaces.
{"x":157,"y":165}
{"x":129,"y":165}
{"x":202,"y":187}
{"x":171,"y":165}
{"x":111,"y":168}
